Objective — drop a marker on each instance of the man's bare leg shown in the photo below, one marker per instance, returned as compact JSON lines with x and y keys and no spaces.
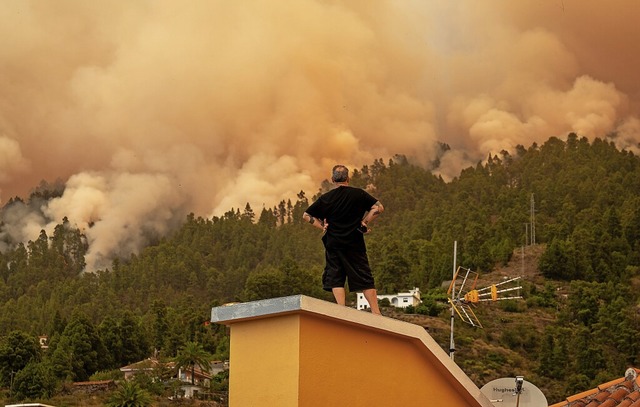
{"x":340,"y":295}
{"x":372,"y":298}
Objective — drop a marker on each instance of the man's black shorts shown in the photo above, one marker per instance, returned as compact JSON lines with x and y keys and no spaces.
{"x":351,"y":266}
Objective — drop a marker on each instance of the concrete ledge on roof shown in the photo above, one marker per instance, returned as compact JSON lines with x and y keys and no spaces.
{"x":255,"y":309}
{"x":302,"y":351}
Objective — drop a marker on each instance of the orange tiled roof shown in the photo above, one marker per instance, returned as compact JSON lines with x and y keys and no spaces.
{"x":622,"y":392}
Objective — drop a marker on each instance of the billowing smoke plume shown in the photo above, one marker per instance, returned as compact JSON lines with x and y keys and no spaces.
{"x":148,"y":110}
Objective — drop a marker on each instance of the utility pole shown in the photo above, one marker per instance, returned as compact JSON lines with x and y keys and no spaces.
{"x":522,"y":273}
{"x":533,"y":221}
{"x":524,"y":244}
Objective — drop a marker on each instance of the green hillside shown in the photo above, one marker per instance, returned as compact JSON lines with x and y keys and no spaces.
{"x":576,"y":327}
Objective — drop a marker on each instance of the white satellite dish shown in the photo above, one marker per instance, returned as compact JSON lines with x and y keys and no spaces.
{"x":503,"y":393}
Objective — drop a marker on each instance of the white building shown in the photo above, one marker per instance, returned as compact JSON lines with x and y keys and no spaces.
{"x":400,"y":300}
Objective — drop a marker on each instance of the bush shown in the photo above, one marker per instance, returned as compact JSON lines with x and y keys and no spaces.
{"x":512,"y":306}
{"x":410,"y":309}
{"x":35,"y":381}
{"x":220,"y":382}
{"x":115,"y":374}
{"x":430,"y":307}
{"x":149,"y":382}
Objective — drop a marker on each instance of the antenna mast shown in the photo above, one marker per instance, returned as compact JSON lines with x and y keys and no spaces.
{"x":452,"y":346}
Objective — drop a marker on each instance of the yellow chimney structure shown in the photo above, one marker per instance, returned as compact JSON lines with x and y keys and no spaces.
{"x":302,"y":351}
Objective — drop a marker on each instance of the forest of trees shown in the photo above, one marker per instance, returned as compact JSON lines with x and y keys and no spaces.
{"x":587,"y":196}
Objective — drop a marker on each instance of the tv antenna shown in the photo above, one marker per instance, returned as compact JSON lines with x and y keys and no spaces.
{"x":464,"y":298}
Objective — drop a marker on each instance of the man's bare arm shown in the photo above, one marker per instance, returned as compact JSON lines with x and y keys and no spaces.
{"x":319,"y":223}
{"x":373,"y":213}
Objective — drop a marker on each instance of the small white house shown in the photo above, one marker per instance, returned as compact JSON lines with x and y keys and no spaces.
{"x":400,"y":300}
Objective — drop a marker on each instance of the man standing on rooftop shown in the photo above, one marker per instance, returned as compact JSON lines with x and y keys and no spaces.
{"x":344,"y":214}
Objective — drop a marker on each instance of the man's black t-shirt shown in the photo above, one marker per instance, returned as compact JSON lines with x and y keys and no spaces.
{"x":343,"y":208}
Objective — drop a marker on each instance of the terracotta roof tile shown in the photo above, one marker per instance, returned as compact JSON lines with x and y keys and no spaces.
{"x":622,"y":392}
{"x":582,"y":395}
{"x":611,"y":383}
{"x":628,"y":401}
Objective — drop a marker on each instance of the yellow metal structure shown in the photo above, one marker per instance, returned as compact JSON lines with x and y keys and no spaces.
{"x":471,"y":296}
{"x":462,"y":297}
{"x":465,"y":312}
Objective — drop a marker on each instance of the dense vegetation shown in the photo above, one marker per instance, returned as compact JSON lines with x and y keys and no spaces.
{"x":587,"y":201}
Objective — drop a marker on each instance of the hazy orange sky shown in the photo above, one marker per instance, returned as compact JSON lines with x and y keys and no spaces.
{"x":148,"y":110}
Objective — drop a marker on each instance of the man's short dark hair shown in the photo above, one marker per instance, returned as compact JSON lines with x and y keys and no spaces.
{"x":340,"y":173}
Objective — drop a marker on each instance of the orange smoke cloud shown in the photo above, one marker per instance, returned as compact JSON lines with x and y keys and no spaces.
{"x":152,"y":109}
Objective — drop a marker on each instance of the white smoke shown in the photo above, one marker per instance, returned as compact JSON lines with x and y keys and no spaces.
{"x":152,"y":109}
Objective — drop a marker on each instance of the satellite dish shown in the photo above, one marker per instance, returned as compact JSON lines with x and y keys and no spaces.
{"x":503,"y":393}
